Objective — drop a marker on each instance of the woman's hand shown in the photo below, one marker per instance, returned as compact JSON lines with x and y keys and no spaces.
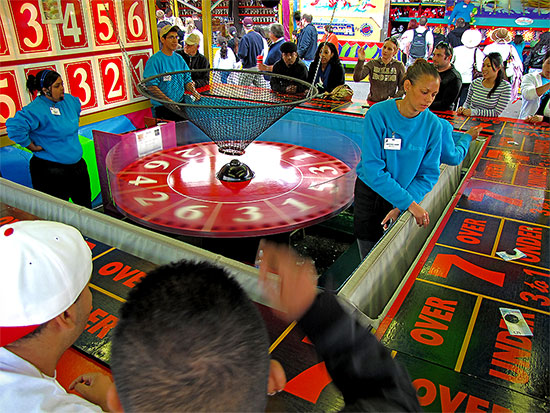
{"x":534,"y":119}
{"x":34,"y":148}
{"x":463,"y":111}
{"x":420,"y":214}
{"x":474,"y":131}
{"x":390,"y":218}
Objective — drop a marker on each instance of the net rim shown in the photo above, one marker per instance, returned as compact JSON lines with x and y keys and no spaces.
{"x":311,"y":92}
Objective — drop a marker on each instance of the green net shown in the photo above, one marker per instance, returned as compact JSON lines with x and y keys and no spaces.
{"x":235,"y":106}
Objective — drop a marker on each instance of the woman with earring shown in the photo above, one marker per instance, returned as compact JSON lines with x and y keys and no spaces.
{"x":490,"y":94}
{"x":48,"y":127}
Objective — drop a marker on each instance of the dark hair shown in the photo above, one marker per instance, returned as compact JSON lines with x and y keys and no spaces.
{"x":288,"y":47}
{"x":297,"y":16}
{"x":328,"y":28}
{"x":420,"y":68}
{"x":518,"y":38}
{"x":422,"y":21}
{"x":460,"y":22}
{"x":447,"y":47}
{"x":335,"y":59}
{"x":543,"y":43}
{"x":43,"y":79}
{"x":222,"y":41}
{"x":393,"y":40}
{"x":496,"y":63}
{"x":413,"y":24}
{"x":307,"y":17}
{"x":189,"y":338}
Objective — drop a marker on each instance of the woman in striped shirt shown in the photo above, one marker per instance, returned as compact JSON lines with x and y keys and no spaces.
{"x":488,"y":95}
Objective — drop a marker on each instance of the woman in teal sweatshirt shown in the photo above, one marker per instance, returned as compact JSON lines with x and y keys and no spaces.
{"x":400,"y":156}
{"x":48,"y":126}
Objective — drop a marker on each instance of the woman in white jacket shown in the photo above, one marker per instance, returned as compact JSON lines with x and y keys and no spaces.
{"x":224,"y":59}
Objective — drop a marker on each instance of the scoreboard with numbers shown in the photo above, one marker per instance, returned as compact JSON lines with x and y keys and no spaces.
{"x":83,"y":45}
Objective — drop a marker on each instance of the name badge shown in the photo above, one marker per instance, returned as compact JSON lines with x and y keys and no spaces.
{"x":167,"y":78}
{"x":55,"y":111}
{"x":392,"y":144}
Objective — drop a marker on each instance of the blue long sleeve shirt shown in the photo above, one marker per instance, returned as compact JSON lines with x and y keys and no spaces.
{"x":307,"y":42}
{"x":463,"y":10}
{"x":57,"y":134}
{"x":405,"y":175}
{"x":172,"y":86}
{"x":454,"y":145}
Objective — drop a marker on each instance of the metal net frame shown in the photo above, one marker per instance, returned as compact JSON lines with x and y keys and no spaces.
{"x":234,"y":108}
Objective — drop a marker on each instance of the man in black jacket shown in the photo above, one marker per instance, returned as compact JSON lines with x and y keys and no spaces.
{"x":189,"y":338}
{"x":289,"y":65}
{"x":195,"y":60}
{"x":451,"y":80}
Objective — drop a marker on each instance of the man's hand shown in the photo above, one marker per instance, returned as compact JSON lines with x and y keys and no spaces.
{"x":34,"y":148}
{"x":361,"y":54}
{"x":534,"y":119}
{"x":262,"y":67}
{"x":390,"y":218}
{"x":463,"y":111}
{"x":291,"y":89}
{"x":93,"y":387}
{"x":474,"y":131}
{"x":295,"y":289}
{"x":420,"y":214}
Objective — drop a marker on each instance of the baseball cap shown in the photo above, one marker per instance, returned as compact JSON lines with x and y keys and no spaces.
{"x":248,"y":22}
{"x":167,"y":29}
{"x":192,"y":39}
{"x":289,"y":47}
{"x":45,"y":267}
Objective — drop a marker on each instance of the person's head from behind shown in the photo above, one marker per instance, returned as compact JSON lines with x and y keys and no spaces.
{"x":389,"y":49}
{"x":460,"y":22}
{"x":276,"y":32}
{"x":518,"y":38}
{"x":189,"y":338}
{"x":443,"y":53}
{"x":413,"y":24}
{"x":328,"y":28}
{"x":44,"y":295}
{"x":421,"y":85}
{"x":48,"y":83}
{"x":327,"y":53}
{"x":289,"y":53}
{"x":546,"y":65}
{"x":422,"y":21}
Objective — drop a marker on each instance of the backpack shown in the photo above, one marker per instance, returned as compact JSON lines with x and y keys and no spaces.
{"x":418,"y":45}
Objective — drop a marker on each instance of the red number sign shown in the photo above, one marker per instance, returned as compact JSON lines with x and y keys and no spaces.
{"x":10,"y":101}
{"x":79,"y":75}
{"x":113,"y":79}
{"x":72,"y":33}
{"x":137,"y":61}
{"x":35,"y":69}
{"x":105,"y":22}
{"x":134,"y":13}
{"x":4,"y":48}
{"x":32,"y":35}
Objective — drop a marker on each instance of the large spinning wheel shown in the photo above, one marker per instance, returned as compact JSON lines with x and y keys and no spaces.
{"x":302,"y":174}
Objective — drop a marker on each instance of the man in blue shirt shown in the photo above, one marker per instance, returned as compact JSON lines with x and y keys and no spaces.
{"x":169,"y":87}
{"x":277,"y":37}
{"x":307,"y":40}
{"x":463,"y":9}
{"x":250,"y":47}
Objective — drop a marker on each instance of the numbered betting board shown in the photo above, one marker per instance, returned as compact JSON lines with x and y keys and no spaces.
{"x":115,"y":273}
{"x":446,"y":324}
{"x":84,"y":46}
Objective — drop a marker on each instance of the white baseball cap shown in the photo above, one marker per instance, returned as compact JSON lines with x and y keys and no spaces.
{"x":45,"y":267}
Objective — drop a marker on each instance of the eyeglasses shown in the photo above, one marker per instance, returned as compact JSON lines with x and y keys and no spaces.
{"x":172,"y":37}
